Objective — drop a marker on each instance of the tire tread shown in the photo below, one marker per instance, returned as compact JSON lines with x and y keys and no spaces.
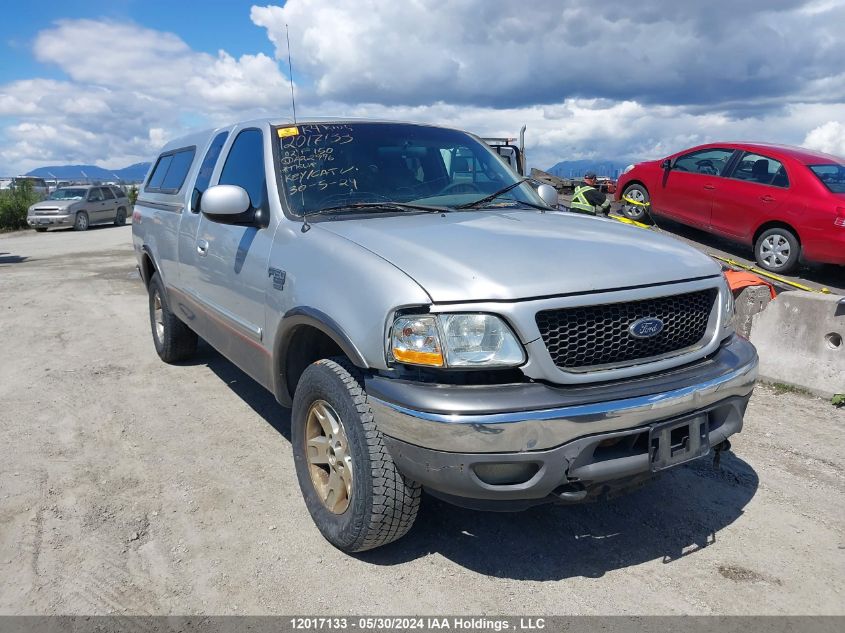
{"x":396,"y":500}
{"x":179,"y":342}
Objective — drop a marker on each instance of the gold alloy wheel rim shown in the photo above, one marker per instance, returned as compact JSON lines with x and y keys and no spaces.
{"x":158,"y":316}
{"x":328,"y":455}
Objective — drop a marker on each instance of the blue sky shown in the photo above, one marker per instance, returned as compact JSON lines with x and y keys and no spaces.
{"x":109,"y":82}
{"x":205,"y":26}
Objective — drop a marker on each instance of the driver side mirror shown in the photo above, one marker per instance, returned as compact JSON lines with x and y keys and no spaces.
{"x":548,"y":194}
{"x":229,"y":204}
{"x":666,"y":164}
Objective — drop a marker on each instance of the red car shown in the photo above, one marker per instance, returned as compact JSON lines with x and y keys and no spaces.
{"x":787,"y":203}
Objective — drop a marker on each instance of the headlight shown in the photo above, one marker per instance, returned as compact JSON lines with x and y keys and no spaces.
{"x":627,"y":169}
{"x":727,"y":304}
{"x":455,"y":340}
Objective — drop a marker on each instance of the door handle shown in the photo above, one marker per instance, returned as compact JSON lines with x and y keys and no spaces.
{"x":202,"y":248}
{"x":709,"y":186}
{"x":767,"y":199}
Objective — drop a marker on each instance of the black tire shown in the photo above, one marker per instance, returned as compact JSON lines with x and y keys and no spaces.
{"x":173,"y":340}
{"x":383,"y":504}
{"x":40,"y":230}
{"x":120,"y":218}
{"x":634,"y":212}
{"x":777,"y":250}
{"x":80,"y":222}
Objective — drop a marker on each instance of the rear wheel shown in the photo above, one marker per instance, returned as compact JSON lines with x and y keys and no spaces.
{"x":637,"y":193}
{"x":120,"y":218}
{"x":352,"y":489}
{"x":173,"y":340}
{"x":80,"y":222}
{"x":777,"y":250}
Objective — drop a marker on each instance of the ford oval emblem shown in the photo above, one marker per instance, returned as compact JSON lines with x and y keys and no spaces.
{"x":646,"y":327}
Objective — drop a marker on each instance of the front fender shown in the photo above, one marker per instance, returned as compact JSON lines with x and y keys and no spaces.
{"x":305,"y":315}
{"x":337,"y":287}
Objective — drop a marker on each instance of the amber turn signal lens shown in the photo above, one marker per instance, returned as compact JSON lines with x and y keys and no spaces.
{"x":434,"y":359}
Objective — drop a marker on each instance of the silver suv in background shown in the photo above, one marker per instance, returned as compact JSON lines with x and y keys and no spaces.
{"x":432,"y":322}
{"x":79,"y":206}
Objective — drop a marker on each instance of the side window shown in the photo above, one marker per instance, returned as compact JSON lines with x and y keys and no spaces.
{"x":95,"y":195}
{"x":170,"y":171}
{"x":710,"y":162}
{"x":760,"y":169}
{"x":107,"y":193}
{"x":245,"y":167}
{"x":178,"y":171}
{"x":159,"y":171}
{"x":207,"y":167}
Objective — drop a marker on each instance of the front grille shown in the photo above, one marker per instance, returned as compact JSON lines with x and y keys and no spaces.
{"x":592,"y":336}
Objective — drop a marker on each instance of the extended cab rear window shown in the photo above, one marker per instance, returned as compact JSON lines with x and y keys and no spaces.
{"x":170,"y":171}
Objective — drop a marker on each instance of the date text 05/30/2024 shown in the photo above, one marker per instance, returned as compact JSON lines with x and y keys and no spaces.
{"x":417,"y":623}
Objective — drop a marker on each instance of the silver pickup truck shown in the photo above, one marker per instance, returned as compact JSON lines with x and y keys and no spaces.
{"x":433,"y":322}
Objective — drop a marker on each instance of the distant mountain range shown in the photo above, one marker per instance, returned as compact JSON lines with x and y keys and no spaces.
{"x":577,"y":168}
{"x":133,"y":173}
{"x":136,"y":172}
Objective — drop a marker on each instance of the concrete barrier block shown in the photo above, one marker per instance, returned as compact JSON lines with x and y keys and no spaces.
{"x":750,"y":301}
{"x":799,"y":338}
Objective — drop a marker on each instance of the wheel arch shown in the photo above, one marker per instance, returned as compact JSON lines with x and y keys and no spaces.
{"x":774,"y":224}
{"x":306,"y":335}
{"x":148,"y":267}
{"x":636,"y":182}
{"x":620,"y":191}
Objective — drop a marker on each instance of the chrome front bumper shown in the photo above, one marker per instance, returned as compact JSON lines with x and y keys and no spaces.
{"x":48,"y":220}
{"x":535,"y":416}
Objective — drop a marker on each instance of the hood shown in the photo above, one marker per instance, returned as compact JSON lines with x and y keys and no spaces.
{"x":53,"y":205}
{"x":649,"y":163}
{"x":487,"y":255}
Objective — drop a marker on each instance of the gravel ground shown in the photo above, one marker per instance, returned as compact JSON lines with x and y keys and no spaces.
{"x":130,"y":486}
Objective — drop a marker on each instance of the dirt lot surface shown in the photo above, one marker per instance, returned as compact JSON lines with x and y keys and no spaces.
{"x":130,"y":486}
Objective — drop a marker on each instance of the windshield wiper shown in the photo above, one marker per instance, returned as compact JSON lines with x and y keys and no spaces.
{"x":386,"y":206}
{"x":380,"y":207}
{"x":520,"y":203}
{"x":482,"y":201}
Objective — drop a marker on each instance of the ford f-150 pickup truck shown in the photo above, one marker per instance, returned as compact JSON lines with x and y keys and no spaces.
{"x":432,"y":320}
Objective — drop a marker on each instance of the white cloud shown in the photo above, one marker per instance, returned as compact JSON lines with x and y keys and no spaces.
{"x":599,"y":81}
{"x":828,"y":138}
{"x":500,"y":52}
{"x":130,"y":88}
{"x":160,"y":65}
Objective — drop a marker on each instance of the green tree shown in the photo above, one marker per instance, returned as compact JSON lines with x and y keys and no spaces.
{"x":14,"y":203}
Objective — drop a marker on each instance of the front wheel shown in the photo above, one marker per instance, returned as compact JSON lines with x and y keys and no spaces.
{"x":352,"y":489}
{"x":120,"y":218}
{"x":80,"y":222}
{"x":637,"y":193}
{"x":777,"y":250}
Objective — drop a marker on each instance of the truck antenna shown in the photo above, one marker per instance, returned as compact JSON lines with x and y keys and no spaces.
{"x":290,"y":76}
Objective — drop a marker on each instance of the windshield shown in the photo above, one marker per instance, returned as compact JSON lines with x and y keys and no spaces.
{"x":832,"y":176}
{"x":67,"y":194}
{"x":331,"y":165}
